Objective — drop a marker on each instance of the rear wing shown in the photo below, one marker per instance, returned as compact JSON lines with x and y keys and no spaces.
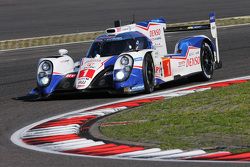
{"x":213,"y":29}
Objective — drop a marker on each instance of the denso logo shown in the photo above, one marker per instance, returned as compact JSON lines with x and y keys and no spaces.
{"x":154,"y":33}
{"x":193,"y":61}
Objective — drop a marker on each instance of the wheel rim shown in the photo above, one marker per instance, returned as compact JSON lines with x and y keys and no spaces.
{"x":207,"y":61}
{"x":150,"y":74}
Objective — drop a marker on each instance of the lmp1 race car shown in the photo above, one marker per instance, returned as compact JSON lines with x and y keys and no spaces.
{"x":129,"y":59}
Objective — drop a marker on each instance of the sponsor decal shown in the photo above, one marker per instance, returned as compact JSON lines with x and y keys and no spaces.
{"x":92,"y":61}
{"x":140,"y":67}
{"x":156,"y":38}
{"x":157,"y":69}
{"x":86,"y":73}
{"x":81,"y":74}
{"x":157,"y":44}
{"x":108,"y":73}
{"x":118,"y":29}
{"x":166,"y":67}
{"x":212,"y":17}
{"x":192,"y":51}
{"x":70,"y":76}
{"x":193,"y":61}
{"x":64,"y":61}
{"x":56,"y":73}
{"x":154,"y":33}
{"x":136,"y":88}
{"x":81,"y":82}
{"x":181,"y":64}
{"x":138,"y":59}
{"x":89,"y":65}
{"x":125,"y":28}
{"x":114,"y":39}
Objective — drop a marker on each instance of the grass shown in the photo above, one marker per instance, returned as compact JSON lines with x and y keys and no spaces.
{"x":210,"y":119}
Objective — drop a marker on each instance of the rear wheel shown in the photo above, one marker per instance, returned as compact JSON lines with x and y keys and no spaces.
{"x":207,"y":65}
{"x":148,"y":73}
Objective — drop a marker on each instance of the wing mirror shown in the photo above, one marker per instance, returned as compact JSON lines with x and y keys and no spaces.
{"x":63,"y":52}
{"x":97,"y":56}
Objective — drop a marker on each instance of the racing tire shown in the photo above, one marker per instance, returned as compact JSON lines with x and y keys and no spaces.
{"x":148,"y":72}
{"x":207,"y":62}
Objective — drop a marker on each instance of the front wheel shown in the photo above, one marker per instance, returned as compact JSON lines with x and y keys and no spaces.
{"x":148,"y":73}
{"x":207,"y":63}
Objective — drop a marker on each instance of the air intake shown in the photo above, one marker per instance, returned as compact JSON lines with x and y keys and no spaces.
{"x":117,"y":23}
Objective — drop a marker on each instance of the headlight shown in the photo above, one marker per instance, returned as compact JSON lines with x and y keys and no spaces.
{"x":46,"y":66}
{"x":124,"y":60}
{"x":41,"y":74}
{"x":44,"y":73}
{"x":45,"y":80}
{"x":120,"y":75}
{"x":123,"y":68}
{"x":127,"y":68}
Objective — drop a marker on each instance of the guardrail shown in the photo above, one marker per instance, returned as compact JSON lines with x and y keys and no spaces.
{"x":88,"y":36}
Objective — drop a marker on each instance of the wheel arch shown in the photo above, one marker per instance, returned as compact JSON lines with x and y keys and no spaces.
{"x":209,"y":42}
{"x":195,"y":41}
{"x":151,"y":54}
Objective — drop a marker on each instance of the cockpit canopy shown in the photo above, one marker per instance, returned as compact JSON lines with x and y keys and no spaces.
{"x":105,"y":46}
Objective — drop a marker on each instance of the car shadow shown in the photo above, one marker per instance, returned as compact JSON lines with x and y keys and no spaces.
{"x":72,"y":96}
{"x":97,"y":95}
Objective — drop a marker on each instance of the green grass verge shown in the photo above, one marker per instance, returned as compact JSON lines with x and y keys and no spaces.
{"x":210,"y":119}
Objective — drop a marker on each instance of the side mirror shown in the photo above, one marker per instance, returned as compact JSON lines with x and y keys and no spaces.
{"x":97,"y":56}
{"x":63,"y":52}
{"x":77,"y":64}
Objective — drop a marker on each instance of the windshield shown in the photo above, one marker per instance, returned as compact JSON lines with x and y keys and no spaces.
{"x":110,"y":48}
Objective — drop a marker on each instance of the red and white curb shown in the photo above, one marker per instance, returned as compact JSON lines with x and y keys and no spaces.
{"x":60,"y":134}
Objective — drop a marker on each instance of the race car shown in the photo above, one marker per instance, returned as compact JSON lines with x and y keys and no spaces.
{"x":130,"y":59}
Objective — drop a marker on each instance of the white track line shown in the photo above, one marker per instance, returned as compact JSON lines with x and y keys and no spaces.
{"x":62,"y":142}
{"x":45,"y":134}
{"x":135,"y":153}
{"x":54,"y":128}
{"x":65,"y":147}
{"x":57,"y":146}
{"x":183,"y":154}
{"x":158,"y":154}
{"x":98,"y":112}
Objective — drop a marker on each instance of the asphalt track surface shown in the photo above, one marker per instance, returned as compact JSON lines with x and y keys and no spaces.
{"x":29,"y":18}
{"x":17,"y":77}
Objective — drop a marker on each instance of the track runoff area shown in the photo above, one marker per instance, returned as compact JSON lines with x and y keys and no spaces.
{"x":69,"y":133}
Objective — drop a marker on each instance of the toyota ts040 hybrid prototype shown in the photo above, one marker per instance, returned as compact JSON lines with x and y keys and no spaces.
{"x":129,"y":59}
